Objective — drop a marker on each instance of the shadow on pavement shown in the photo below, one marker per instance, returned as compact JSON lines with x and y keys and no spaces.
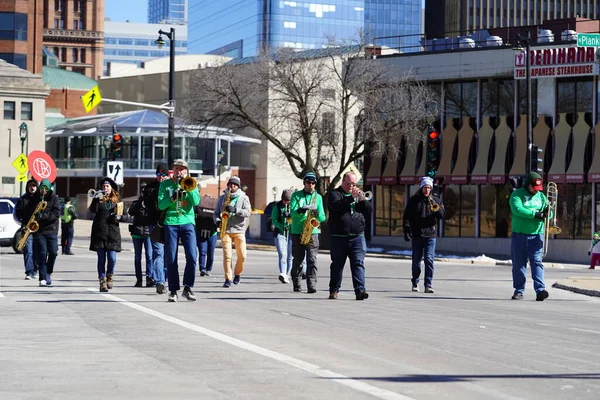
{"x":464,"y":378}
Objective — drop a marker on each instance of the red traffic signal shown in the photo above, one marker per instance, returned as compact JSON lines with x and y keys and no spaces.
{"x":433,"y":135}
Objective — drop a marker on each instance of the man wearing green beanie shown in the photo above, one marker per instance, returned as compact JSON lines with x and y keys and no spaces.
{"x":529,"y":207}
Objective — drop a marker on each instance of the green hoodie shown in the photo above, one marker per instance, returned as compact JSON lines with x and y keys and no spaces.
{"x":300,"y":199}
{"x":185,"y":213}
{"x":523,"y":206}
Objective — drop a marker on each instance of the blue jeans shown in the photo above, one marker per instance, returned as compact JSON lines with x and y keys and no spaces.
{"x":66,"y":237}
{"x":31,"y":265}
{"x":112,"y":261}
{"x":353,"y":248}
{"x":187,"y":233}
{"x":286,"y":256}
{"x":45,"y":250}
{"x":206,"y":248}
{"x":138,"y":243}
{"x":523,"y":247}
{"x":158,"y":260}
{"x":422,"y":247}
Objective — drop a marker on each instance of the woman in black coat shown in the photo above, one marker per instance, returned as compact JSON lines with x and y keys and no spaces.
{"x":106,"y":234}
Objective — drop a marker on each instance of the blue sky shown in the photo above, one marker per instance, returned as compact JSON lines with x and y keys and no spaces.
{"x":123,"y":10}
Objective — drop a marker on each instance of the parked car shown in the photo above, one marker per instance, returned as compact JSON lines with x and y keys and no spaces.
{"x":9,"y":226}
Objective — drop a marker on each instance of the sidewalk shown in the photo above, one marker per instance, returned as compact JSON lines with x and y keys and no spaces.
{"x":583,"y":283}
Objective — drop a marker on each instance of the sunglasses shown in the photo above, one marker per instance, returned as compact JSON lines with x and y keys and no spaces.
{"x":159,"y":174}
{"x":311,"y":182}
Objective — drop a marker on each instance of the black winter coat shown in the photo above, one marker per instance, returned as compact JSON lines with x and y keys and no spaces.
{"x":49,"y":218}
{"x":418,"y":219}
{"x":21,"y":209}
{"x":345,"y":216}
{"x":106,"y":234}
{"x":141,"y":218}
{"x":151,"y":202}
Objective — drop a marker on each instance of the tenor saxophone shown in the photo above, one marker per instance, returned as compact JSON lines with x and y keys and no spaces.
{"x":32,"y":225}
{"x":224,"y":215}
{"x":309,"y":224}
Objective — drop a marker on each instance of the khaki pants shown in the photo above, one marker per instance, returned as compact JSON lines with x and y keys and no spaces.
{"x":239,"y":239}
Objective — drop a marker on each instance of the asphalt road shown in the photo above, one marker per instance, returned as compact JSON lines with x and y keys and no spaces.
{"x":259,"y":340}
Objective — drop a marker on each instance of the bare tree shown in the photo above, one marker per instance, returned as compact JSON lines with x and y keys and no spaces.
{"x":322,"y":109}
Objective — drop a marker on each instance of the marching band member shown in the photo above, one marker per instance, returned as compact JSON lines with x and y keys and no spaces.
{"x":106,"y":234}
{"x":235,"y":206}
{"x":45,"y":239}
{"x":421,"y":216}
{"x":140,"y":235}
{"x":154,"y":217}
{"x":349,"y":212}
{"x":280,"y":219}
{"x":206,"y":233}
{"x":305,"y":205}
{"x":31,"y":267}
{"x":178,"y":204}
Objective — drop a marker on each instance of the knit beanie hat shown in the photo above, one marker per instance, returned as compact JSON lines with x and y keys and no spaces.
{"x":426,"y":181}
{"x":310,"y":177}
{"x":235,"y":180}
{"x":286,"y":195}
{"x":46,"y":183}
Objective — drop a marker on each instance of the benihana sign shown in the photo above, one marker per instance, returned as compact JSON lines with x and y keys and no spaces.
{"x":557,"y":62}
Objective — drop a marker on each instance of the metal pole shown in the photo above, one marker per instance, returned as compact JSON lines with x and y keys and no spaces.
{"x":219,"y":178}
{"x":528,"y":94}
{"x":22,"y":149}
{"x":171,"y":138}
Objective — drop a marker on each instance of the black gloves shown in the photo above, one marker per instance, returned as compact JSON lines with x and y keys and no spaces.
{"x":407,"y":236}
{"x":540,"y":215}
{"x":302,"y":210}
{"x":545,"y":210}
{"x":230,"y":209}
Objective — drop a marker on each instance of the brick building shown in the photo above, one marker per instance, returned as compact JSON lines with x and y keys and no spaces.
{"x":20,"y":41}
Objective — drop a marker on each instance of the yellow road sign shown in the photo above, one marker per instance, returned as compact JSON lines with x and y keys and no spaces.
{"x":20,"y":164}
{"x":91,"y":99}
{"x":22,"y":178}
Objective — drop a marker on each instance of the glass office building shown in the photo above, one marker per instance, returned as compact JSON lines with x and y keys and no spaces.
{"x":171,"y":11}
{"x":240,"y":29}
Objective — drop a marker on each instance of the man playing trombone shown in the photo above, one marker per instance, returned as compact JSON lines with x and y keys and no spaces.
{"x":529,"y":207}
{"x":177,"y":197}
{"x":349,"y":211}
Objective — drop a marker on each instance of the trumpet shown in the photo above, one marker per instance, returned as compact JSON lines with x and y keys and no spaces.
{"x":188,"y":184}
{"x":96,"y":194}
{"x":365,"y":196}
{"x":433,"y":206}
{"x":550,"y":222}
{"x":32,"y":225}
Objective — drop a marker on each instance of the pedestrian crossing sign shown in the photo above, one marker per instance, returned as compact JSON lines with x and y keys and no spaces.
{"x":91,"y":99}
{"x":20,"y":164}
{"x":22,"y":178}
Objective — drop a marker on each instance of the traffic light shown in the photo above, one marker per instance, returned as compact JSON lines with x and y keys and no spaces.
{"x":117,"y":143}
{"x":536,"y":161}
{"x":433,"y":152}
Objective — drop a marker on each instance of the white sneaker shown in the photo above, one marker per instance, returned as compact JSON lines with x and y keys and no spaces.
{"x":42,"y":283}
{"x":283,"y":278}
{"x":28,"y":277}
{"x":429,"y":289}
{"x":415,"y":288}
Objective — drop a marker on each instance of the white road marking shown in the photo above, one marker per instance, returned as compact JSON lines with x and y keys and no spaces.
{"x":584,"y":330}
{"x":291,"y":361}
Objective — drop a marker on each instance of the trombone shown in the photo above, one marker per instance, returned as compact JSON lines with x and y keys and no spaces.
{"x":550,"y":221}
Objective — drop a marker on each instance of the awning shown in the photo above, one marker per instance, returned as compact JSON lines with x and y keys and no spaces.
{"x":581,"y":130}
{"x":562,"y":131}
{"x":410,"y":172}
{"x":497,"y":174}
{"x":464,"y":137}
{"x":449,"y":136}
{"x":390,"y":172}
{"x":518,"y":167}
{"x":485,"y":134}
{"x":374,"y":173}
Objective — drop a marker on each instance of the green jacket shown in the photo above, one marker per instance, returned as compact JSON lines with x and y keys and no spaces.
{"x":300,"y":199}
{"x":174,"y":215}
{"x":523,"y":207}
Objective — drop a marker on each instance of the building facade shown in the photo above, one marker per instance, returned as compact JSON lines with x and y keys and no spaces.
{"x":167,"y":11}
{"x":133,"y":43}
{"x":20,"y":42}
{"x":241,"y":30}
{"x":460,"y":17}
{"x":484,"y":145}
{"x":74,"y":31}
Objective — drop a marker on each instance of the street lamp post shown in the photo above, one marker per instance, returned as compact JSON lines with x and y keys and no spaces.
{"x":274,"y":191}
{"x":107,"y":141}
{"x":23,"y":131}
{"x":220,"y":155}
{"x":160,"y":42}
{"x":526,"y":39}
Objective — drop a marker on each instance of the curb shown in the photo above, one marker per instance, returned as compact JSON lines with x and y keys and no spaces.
{"x":575,"y":289}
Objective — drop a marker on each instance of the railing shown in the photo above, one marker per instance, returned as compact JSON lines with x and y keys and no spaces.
{"x":128,"y":163}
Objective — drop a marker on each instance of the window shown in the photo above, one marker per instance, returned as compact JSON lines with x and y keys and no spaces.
{"x":75,"y":55}
{"x":9,"y":110}
{"x":26,"y":111}
{"x":459,"y":201}
{"x":328,"y":133}
{"x":5,"y":208}
{"x":574,"y":211}
{"x":13,"y":26}
{"x":495,"y":216}
{"x":20,"y":60}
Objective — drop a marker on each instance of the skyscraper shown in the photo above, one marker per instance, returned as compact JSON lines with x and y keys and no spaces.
{"x":167,"y":11}
{"x":241,"y":29}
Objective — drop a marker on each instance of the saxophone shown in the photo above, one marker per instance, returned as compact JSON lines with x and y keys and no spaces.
{"x":309,"y":224}
{"x":224,"y":215}
{"x":32,"y":225}
{"x":287,"y":223}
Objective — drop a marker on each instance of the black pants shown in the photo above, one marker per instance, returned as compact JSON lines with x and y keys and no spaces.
{"x":66,"y":237}
{"x":299,"y":251}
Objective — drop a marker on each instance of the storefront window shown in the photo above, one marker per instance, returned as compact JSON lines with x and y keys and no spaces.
{"x":497,"y":98}
{"x":574,"y":95}
{"x":495,"y":216}
{"x":468,"y":194}
{"x":397,"y":210}
{"x":460,"y":99}
{"x":574,"y":211}
{"x":523,"y":96}
{"x":452,"y":206}
{"x":382,"y":213}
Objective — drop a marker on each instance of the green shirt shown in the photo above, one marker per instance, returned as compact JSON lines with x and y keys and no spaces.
{"x":523,"y":206}
{"x":177,"y":212}
{"x":299,"y":199}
